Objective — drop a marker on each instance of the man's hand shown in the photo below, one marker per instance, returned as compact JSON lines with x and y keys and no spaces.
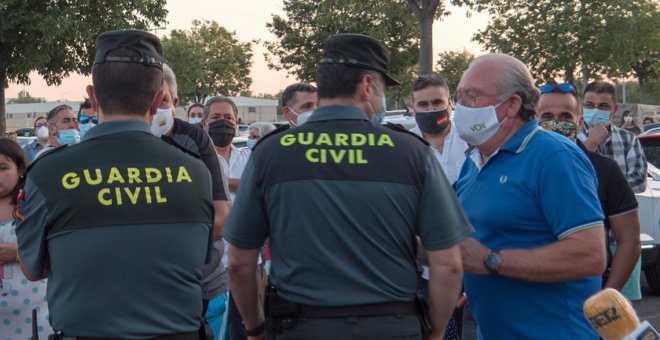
{"x":597,"y":135}
{"x":474,"y":253}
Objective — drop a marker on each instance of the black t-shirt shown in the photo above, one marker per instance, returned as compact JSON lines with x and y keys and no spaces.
{"x":193,"y":139}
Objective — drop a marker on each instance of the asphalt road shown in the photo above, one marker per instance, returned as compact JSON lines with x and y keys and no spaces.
{"x":649,"y":307}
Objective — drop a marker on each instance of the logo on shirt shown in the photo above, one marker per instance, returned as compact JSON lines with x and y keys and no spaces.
{"x":337,"y":147}
{"x":503,"y":179}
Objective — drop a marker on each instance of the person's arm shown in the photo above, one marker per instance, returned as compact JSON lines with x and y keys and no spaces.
{"x":222,"y":209}
{"x":625,"y":228}
{"x":31,"y":234}
{"x":574,"y":256}
{"x":8,"y":253}
{"x":244,"y":286}
{"x":636,"y":166}
{"x":445,"y":282}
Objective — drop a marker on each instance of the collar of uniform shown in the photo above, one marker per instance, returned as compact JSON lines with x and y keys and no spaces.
{"x":333,"y":112}
{"x":521,"y":138}
{"x":107,"y":128}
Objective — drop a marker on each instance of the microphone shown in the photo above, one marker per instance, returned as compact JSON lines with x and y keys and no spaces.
{"x":614,"y":318}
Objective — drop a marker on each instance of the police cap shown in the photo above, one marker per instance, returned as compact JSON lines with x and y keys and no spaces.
{"x":145,"y":44}
{"x":358,"y":50}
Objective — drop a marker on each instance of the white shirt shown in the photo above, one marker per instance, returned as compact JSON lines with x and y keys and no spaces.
{"x":238,"y":158}
{"x":452,"y":156}
{"x":234,"y":168}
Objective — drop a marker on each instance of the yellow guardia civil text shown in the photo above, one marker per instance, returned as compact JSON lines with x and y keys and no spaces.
{"x":131,"y":185}
{"x":336,"y":148}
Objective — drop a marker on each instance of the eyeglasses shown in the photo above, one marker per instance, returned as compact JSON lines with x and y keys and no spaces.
{"x":86,"y":119}
{"x":561,"y":88}
{"x":470,"y":99}
{"x":38,"y":125}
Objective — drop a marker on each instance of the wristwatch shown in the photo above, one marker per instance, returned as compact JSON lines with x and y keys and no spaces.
{"x":493,"y":261}
{"x":257,"y":330}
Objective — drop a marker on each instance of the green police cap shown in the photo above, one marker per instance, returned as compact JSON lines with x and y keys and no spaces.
{"x":358,"y":50}
{"x":145,"y":44}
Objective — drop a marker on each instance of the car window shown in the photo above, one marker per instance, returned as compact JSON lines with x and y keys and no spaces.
{"x":651,"y":146}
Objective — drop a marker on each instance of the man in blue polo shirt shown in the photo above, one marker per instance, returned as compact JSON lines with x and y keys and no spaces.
{"x":537,"y":253}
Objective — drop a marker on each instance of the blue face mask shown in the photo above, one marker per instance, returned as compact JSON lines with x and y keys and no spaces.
{"x":84,"y":128}
{"x":596,"y":116}
{"x":71,"y":136}
{"x":251,"y":143}
{"x":194,"y":120}
{"x":377,"y":119}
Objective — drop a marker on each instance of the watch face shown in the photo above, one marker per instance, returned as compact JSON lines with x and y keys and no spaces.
{"x":493,"y":261}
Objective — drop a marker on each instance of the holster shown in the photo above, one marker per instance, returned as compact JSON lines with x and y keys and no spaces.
{"x":280,"y":314}
{"x":423,"y":314}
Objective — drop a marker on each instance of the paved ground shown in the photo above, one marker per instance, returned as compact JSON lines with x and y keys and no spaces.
{"x":649,"y":307}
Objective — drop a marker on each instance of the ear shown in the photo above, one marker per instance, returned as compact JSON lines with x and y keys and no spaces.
{"x":512,"y":106}
{"x":156,"y":102}
{"x":175,"y":102}
{"x":580,"y":123}
{"x":286,"y":113}
{"x":365,"y":88}
{"x":52,"y":131}
{"x":615,"y":109}
{"x":92,"y":97}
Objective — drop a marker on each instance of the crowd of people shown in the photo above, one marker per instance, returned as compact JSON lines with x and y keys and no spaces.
{"x":496,"y":217}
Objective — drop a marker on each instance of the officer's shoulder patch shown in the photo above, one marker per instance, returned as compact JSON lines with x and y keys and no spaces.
{"x":278,"y":130}
{"x":45,"y":154}
{"x":169,"y":140}
{"x":400,"y":128}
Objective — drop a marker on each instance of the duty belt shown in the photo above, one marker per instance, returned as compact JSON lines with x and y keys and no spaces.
{"x":378,"y":309}
{"x":177,"y":336}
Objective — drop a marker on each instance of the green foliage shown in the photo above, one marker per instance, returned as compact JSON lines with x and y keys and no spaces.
{"x":452,"y":64}
{"x":651,"y":92}
{"x":25,"y":98}
{"x":301,"y":34}
{"x":56,"y":38}
{"x":208,"y":60}
{"x":565,"y":39}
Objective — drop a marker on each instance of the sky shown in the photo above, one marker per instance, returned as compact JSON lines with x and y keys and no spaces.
{"x":248,"y":19}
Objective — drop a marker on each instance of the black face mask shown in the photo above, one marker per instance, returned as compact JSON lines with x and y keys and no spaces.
{"x":432,"y":122}
{"x":222,"y":132}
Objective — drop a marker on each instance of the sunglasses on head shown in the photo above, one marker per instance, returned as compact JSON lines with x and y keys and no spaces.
{"x":561,"y":88}
{"x":86,"y":119}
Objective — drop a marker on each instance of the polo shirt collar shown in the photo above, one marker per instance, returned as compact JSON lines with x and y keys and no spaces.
{"x":521,"y":138}
{"x":108,"y":128}
{"x":334,"y":112}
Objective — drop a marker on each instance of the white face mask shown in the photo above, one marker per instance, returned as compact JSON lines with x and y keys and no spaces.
{"x":42,"y":132}
{"x":476,"y":125}
{"x":162,"y":122}
{"x":628,"y":119}
{"x":292,"y":123}
{"x":303,"y":117}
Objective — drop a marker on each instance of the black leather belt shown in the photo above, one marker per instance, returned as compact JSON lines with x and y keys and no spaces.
{"x":176,"y":336}
{"x":378,"y":309}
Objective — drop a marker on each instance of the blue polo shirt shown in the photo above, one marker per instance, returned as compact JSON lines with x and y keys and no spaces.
{"x":537,"y":189}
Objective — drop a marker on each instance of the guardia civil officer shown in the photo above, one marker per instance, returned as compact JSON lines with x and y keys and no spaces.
{"x":343,"y":262}
{"x":120,"y":223}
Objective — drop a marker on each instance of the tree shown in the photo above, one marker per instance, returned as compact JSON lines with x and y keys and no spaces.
{"x":426,"y":12}
{"x":56,"y":38}
{"x":451,"y":66}
{"x":559,"y":39}
{"x":300,"y":35}
{"x":208,"y":60}
{"x":24,"y":98}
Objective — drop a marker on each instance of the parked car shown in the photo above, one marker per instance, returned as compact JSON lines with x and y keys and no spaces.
{"x":240,"y":141}
{"x":649,"y":212}
{"x":25,"y":132}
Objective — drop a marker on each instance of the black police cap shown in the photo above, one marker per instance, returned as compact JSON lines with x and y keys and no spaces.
{"x":358,"y":50}
{"x":144,"y":43}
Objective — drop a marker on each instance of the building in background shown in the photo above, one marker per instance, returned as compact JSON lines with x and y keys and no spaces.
{"x":250,"y":110}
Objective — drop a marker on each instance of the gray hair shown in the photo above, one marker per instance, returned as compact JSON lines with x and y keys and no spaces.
{"x":263,"y":128}
{"x":513,"y":78}
{"x":170,"y":78}
{"x":219,"y":99}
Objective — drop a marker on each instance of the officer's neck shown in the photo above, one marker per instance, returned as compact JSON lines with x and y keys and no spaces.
{"x":123,"y":117}
{"x":346,"y":101}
